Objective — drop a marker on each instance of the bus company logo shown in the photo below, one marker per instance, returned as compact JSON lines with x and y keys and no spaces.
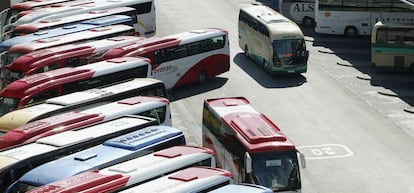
{"x":302,"y":7}
{"x":163,"y":70}
{"x":327,"y":14}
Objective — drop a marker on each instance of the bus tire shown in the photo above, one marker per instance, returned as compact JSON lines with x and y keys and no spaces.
{"x":351,"y":31}
{"x":202,"y":77}
{"x":308,"y":22}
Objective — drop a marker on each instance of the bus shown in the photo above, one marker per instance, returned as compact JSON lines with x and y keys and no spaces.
{"x":48,"y":24}
{"x":242,"y":188}
{"x":82,"y":100}
{"x":39,"y":87}
{"x":392,"y":47}
{"x":62,"y":56}
{"x":16,"y":161}
{"x":271,"y":40}
{"x":299,"y":11}
{"x":129,"y":173}
{"x":199,"y":179}
{"x":150,"y":106}
{"x":14,"y":9}
{"x":250,"y":145}
{"x":353,"y":18}
{"x":145,"y":25}
{"x":111,"y":152}
{"x":82,"y":26}
{"x":9,"y":54}
{"x":180,"y":59}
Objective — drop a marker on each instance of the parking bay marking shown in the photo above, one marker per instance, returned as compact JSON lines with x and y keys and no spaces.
{"x":325,"y":151}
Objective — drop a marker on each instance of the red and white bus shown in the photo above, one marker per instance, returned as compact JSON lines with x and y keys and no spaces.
{"x":39,"y":87}
{"x":191,"y":180}
{"x":71,"y":55}
{"x":184,"y":58}
{"x":46,"y":24}
{"x":250,"y":145}
{"x":149,"y":106}
{"x":82,"y":100}
{"x":15,"y":51}
{"x":145,"y":25}
{"x":133,"y":172}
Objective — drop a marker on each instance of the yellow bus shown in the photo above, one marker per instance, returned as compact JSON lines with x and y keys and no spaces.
{"x":273,"y":41}
{"x":392,"y":47}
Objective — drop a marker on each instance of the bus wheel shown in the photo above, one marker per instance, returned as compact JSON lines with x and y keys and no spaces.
{"x":308,"y":22}
{"x":351,"y":31}
{"x":202,"y":77}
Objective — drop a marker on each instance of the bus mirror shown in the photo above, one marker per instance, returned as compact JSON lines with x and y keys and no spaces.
{"x":248,"y":163}
{"x":302,"y":159}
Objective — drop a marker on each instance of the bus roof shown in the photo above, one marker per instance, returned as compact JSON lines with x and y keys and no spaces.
{"x":193,"y":179}
{"x":48,"y":148}
{"x":68,"y":102}
{"x":133,"y":171}
{"x":28,"y":84}
{"x":255,"y":131}
{"x":46,"y":23}
{"x":154,"y":43}
{"x":66,"y":9}
{"x":76,"y":119}
{"x":27,"y":5}
{"x":279,"y":26}
{"x":36,"y":58}
{"x":68,"y":38}
{"x":112,"y":151}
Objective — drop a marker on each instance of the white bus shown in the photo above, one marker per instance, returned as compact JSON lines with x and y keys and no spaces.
{"x":14,"y":162}
{"x":299,"y":11}
{"x":150,"y":106}
{"x":199,"y":179}
{"x":133,"y":172}
{"x":392,"y":47}
{"x":353,"y":18}
{"x":193,"y":56}
{"x":273,"y":41}
{"x":144,"y":26}
{"x":82,"y":100}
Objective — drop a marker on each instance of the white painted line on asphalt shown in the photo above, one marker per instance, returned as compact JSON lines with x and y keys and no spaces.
{"x":325,"y":151}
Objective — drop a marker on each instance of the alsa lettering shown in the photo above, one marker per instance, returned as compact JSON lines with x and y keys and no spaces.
{"x":303,"y":7}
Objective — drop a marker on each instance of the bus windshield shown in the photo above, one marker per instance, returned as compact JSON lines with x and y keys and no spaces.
{"x":275,"y":169}
{"x":7,"y":104}
{"x":292,"y":49}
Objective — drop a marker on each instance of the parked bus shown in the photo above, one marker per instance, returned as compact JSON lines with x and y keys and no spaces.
{"x":111,"y":152}
{"x":184,"y":58}
{"x":16,"y":161}
{"x":69,"y":29}
{"x":392,"y":47}
{"x":250,"y":145}
{"x":82,"y":100}
{"x":62,"y":56}
{"x":48,"y":24}
{"x":14,"y":9}
{"x":352,"y":18}
{"x":150,"y":106}
{"x":273,"y":41}
{"x":39,"y":87}
{"x":9,"y":54}
{"x":199,"y":179}
{"x":299,"y":11}
{"x":242,"y":188}
{"x":145,"y":26}
{"x":129,"y":173}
